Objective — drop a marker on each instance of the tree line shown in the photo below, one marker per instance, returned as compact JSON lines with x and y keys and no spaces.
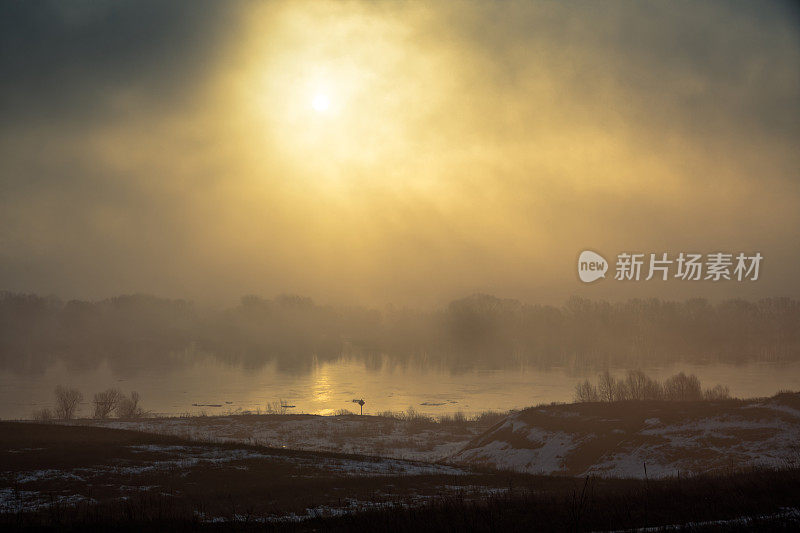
{"x":636,"y":385}
{"x":294,"y":332}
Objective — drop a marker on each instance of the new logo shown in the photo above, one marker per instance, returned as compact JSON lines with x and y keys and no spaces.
{"x":591,"y":266}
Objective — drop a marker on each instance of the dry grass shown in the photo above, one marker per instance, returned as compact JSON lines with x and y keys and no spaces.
{"x":245,"y":491}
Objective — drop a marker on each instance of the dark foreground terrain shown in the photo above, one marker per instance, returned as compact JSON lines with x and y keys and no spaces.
{"x":79,"y":478}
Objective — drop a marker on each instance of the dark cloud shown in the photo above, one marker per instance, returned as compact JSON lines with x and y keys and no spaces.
{"x":66,"y":60}
{"x":709,"y":69}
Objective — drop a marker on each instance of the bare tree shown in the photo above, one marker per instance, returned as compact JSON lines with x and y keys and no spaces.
{"x":128,"y":406}
{"x":635,"y":382}
{"x":607,"y":388}
{"x":653,"y":389}
{"x":586,"y":392}
{"x":681,"y":387}
{"x":640,"y":386}
{"x":67,"y":401}
{"x":719,"y":392}
{"x":106,"y":402}
{"x":621,"y":391}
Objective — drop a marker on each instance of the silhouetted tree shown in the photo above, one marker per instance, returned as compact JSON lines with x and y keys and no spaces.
{"x":586,"y":392}
{"x":681,"y":387}
{"x":607,"y":388}
{"x":67,"y":402}
{"x":718,"y":392}
{"x":640,"y":386}
{"x":128,"y":406}
{"x":106,"y":402}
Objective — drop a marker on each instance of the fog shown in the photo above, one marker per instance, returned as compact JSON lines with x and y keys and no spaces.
{"x":400,"y":188}
{"x":141,"y":333}
{"x":174,"y":149}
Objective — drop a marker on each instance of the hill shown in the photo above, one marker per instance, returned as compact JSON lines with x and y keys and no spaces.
{"x":642,"y":439}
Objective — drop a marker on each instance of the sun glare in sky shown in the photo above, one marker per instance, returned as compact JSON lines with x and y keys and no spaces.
{"x":320,"y":103}
{"x":425,"y":151}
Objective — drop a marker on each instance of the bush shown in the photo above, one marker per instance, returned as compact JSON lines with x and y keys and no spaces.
{"x":489,"y":418}
{"x":277,"y":408}
{"x":412,"y":415}
{"x":456,"y":419}
{"x":43,"y":415}
{"x":67,"y":401}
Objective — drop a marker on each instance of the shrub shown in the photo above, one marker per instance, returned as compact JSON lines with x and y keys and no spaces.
{"x":412,"y":415}
{"x":277,"y":408}
{"x":456,"y":419}
{"x":43,"y":415}
{"x":489,"y":418}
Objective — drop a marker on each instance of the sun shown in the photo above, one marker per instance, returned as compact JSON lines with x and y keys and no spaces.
{"x":320,"y":102}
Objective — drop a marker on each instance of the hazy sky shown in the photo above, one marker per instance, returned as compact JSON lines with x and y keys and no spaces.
{"x":393,"y":152}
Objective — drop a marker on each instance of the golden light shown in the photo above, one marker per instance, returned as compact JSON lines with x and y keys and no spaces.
{"x":320,"y":103}
{"x":338,"y":81}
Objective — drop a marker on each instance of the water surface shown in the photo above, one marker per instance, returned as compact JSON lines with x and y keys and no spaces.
{"x":208,"y":385}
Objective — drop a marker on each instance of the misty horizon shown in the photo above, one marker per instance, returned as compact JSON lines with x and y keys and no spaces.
{"x":478,"y":330}
{"x":458,"y":149}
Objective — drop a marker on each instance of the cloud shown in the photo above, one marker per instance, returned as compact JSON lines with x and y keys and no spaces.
{"x":75,"y":61}
{"x":172,"y":148}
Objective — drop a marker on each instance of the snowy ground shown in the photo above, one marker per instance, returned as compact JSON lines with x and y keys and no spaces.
{"x":58,"y":473}
{"x":71,"y":465}
{"x":624,"y":439}
{"x":158,"y":459}
{"x":649,"y":439}
{"x":367,"y":435}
